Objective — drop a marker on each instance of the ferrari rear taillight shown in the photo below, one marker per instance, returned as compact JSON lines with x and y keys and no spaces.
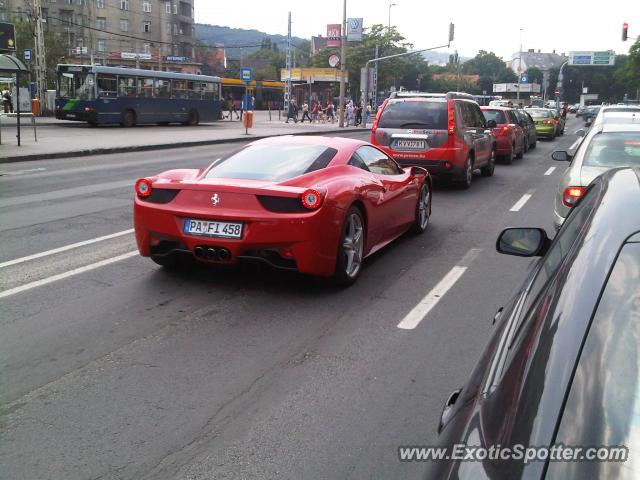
{"x":451,"y":118}
{"x":143,"y":187}
{"x":311,"y":199}
{"x":571,"y":195}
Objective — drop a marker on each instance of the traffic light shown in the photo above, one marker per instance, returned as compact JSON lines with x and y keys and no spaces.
{"x":451,"y":29}
{"x":625,"y":31}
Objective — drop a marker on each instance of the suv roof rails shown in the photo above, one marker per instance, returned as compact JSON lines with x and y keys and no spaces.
{"x":447,"y":95}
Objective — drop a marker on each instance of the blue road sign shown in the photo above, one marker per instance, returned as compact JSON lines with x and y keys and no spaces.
{"x":27,"y":55}
{"x":246,"y":74}
{"x":524,"y":79}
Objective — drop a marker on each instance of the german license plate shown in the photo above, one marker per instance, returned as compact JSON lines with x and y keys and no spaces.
{"x":210,"y":228}
{"x":409,"y":144}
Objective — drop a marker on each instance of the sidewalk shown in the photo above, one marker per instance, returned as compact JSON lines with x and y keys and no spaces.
{"x":62,"y":139}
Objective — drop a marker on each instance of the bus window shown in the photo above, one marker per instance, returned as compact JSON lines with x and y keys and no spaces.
{"x":180,"y":89}
{"x":209,"y":91}
{"x":76,"y":85}
{"x":162,"y":88}
{"x":127,"y":87}
{"x":145,"y":87}
{"x":107,"y":85}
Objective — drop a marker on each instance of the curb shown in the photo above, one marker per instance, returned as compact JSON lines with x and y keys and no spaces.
{"x":160,"y":146}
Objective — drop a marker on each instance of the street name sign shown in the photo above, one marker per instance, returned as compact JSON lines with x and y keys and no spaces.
{"x":603,"y":58}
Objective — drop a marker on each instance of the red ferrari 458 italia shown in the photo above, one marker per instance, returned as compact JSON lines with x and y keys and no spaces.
{"x":314,"y":204}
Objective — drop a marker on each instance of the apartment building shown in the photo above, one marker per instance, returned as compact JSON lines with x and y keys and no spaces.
{"x":154,"y":34}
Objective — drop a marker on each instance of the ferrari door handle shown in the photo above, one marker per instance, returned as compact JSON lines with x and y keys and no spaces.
{"x":497,"y":316}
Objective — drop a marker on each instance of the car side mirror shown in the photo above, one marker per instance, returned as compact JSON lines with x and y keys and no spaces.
{"x":581,"y":132}
{"x":491,"y":124}
{"x":523,"y":242}
{"x":445,"y":416}
{"x":416,"y":171}
{"x":561,"y":156}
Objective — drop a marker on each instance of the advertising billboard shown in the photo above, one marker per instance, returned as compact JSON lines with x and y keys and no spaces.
{"x":7,"y":37}
{"x":334,"y":35}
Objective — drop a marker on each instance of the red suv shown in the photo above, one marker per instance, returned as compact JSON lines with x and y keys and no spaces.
{"x":510,"y":138}
{"x":444,"y":133}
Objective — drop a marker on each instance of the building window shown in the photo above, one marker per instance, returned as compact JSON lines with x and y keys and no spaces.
{"x":101,"y":23}
{"x":102,"y":46}
{"x":146,"y":7}
{"x":146,"y":27}
{"x":146,"y":48}
{"x":124,"y":4}
{"x":124,"y":25}
{"x":167,"y":7}
{"x":175,"y":8}
{"x":175,"y":29}
{"x":100,"y":3}
{"x":168,"y":27}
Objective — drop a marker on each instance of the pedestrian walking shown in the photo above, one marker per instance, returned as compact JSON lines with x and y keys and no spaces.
{"x":314,"y":111}
{"x":6,"y":101}
{"x":292,"y":111}
{"x":350,"y":114}
{"x":369,"y":112}
{"x":358,"y":114}
{"x":233,"y":109}
{"x":305,"y":112}
{"x":329,"y":111}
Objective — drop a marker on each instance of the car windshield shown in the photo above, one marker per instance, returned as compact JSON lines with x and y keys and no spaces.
{"x":273,"y":162}
{"x":617,"y":149}
{"x":430,"y":115}
{"x":538,"y":113}
{"x":495,"y":115}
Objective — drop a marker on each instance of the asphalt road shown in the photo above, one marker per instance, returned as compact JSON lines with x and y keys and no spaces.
{"x":111,"y":368}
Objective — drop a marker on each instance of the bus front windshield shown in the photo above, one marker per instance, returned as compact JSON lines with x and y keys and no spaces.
{"x":76,"y":85}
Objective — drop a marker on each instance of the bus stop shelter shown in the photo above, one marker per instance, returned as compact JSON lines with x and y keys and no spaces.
{"x":11,"y":65}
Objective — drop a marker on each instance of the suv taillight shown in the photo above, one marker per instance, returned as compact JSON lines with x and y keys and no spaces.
{"x":506,"y":130}
{"x":451,"y":118}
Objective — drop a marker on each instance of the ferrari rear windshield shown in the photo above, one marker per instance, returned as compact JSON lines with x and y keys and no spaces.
{"x":419,"y":114}
{"x":273,"y":162}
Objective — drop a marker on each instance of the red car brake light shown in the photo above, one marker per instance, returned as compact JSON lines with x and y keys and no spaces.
{"x":506,"y":130}
{"x":311,"y":199}
{"x":143,"y":187}
{"x":548,"y":122}
{"x":451,"y":118}
{"x":571,"y":195}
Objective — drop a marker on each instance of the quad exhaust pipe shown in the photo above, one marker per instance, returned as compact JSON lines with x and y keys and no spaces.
{"x":212,"y":253}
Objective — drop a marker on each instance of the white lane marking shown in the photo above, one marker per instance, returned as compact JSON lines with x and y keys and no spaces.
{"x":22,"y":172}
{"x":68,"y":274}
{"x":424,"y":306}
{"x":550,"y":171}
{"x":520,"y":203}
{"x":431,"y":299}
{"x":64,"y":249}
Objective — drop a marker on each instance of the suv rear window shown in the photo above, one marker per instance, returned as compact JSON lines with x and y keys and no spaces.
{"x":495,"y":115}
{"x":275,"y":162}
{"x":430,"y":115}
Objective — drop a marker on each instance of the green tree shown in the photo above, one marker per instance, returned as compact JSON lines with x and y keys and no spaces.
{"x":56,"y":47}
{"x":490,"y":68}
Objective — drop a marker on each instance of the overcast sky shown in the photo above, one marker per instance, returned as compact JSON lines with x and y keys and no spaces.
{"x":488,"y":25}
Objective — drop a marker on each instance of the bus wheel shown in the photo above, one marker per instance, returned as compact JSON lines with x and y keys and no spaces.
{"x":194,"y":118}
{"x":128,"y":119}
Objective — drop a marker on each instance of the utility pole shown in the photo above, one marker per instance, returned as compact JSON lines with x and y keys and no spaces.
{"x":343,"y":62}
{"x":519,"y":66}
{"x":374,"y":95}
{"x":40,"y":56}
{"x":287,"y":86}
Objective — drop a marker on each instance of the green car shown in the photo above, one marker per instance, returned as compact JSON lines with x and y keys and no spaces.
{"x":545,"y":122}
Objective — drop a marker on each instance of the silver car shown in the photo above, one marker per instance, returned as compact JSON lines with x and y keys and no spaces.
{"x":606,"y":146}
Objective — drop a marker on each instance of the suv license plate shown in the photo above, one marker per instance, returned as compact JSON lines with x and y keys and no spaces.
{"x":209,"y":228}
{"x":409,"y":145}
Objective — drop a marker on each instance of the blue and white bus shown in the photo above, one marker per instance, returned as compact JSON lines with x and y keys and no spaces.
{"x":128,"y":96}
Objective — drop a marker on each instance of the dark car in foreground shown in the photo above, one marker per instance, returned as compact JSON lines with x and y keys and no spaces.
{"x":562,"y":364}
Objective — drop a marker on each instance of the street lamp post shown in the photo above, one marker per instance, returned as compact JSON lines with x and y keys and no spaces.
{"x":519,"y":66}
{"x":343,"y":62}
{"x":391,"y":4}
